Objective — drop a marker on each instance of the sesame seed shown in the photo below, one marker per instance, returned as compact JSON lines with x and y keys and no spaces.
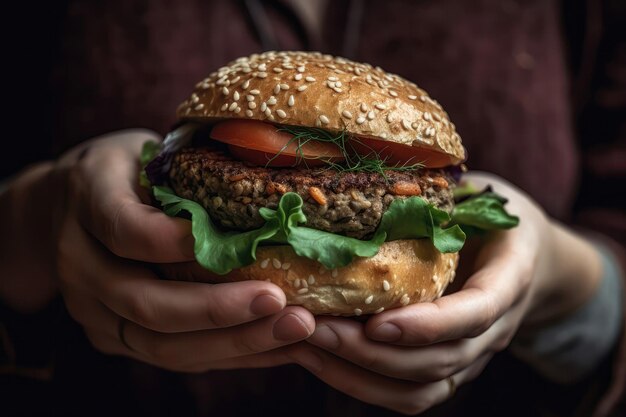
{"x":412,"y":97}
{"x":268,"y":112}
{"x":255,"y":92}
{"x":414,"y":125}
{"x":249,"y":97}
{"x":291,"y":101}
{"x":271,"y":101}
{"x":300,"y":68}
{"x":330,"y":84}
{"x":389,"y":118}
{"x":429,"y":132}
{"x":310,"y":79}
{"x":236,"y":95}
{"x":384,"y":135}
{"x":245,"y":84}
{"x":360,"y":120}
{"x":393,"y":93}
{"x":311,"y":279}
{"x":281,"y":113}
{"x":234,"y":80}
{"x":286,"y":266}
{"x":371,"y":115}
{"x":369,"y":299}
{"x":363,"y":107}
{"x":296,"y":283}
{"x":324,"y":119}
{"x":436,"y":117}
{"x":222,"y":81}
{"x":334,"y":273}
{"x":224,"y":107}
{"x":380,"y":310}
{"x":277,"y":89}
{"x":338,"y":84}
{"x":406,"y":124}
{"x":304,"y":283}
{"x":249,"y":113}
{"x":199,"y":107}
{"x":251,"y":105}
{"x":380,"y":106}
{"x":405,"y":299}
{"x":233,"y":106}
{"x":423,"y":99}
{"x":427,"y":116}
{"x":346,"y":114}
{"x":247,"y":70}
{"x":297,"y":77}
{"x":284,"y":87}
{"x":262,"y":67}
{"x":422,"y":293}
{"x":225,"y":91}
{"x":337,"y":90}
{"x":194,"y":98}
{"x":263,"y":106}
{"x":332,"y":78}
{"x":276,"y":263}
{"x":302,"y":88}
{"x":264,"y":263}
{"x":237,"y":109}
{"x":287,"y":66}
{"x":386,"y":285}
{"x":261,"y":75}
{"x":303,"y":290}
{"x":358,"y":311}
{"x":277,"y":69}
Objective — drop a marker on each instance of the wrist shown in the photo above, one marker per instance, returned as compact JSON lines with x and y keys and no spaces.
{"x":570,"y":277}
{"x":27,"y":259}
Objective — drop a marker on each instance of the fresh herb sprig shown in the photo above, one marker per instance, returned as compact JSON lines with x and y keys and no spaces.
{"x":353,"y":160}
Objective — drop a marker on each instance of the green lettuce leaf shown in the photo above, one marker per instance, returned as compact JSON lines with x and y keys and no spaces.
{"x":415,"y":218}
{"x":484,"y":211}
{"x":411,"y":218}
{"x":214,"y":250}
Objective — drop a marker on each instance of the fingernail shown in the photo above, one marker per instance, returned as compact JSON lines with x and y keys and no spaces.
{"x":324,"y":337}
{"x":386,"y":332}
{"x":265,"y":304}
{"x":290,"y":328}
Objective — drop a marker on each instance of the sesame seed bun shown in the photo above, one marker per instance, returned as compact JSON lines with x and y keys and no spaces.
{"x":311,"y":89}
{"x":403,"y":272}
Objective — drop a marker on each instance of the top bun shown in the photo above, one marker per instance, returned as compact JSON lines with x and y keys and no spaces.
{"x":311,"y":89}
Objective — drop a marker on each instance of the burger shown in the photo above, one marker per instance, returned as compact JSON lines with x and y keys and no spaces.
{"x":330,"y":178}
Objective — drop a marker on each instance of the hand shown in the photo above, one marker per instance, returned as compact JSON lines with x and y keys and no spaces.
{"x":106,"y":236}
{"x":403,"y":359}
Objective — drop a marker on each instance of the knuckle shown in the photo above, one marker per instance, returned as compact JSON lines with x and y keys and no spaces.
{"x":431,"y":332}
{"x":141,"y":309}
{"x":448,"y":363}
{"x":245,"y":345}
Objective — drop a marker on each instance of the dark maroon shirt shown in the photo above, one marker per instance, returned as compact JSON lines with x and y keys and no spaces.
{"x":536,"y":90}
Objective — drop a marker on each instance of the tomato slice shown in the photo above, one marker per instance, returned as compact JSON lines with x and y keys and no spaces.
{"x":263,"y":144}
{"x":398,"y":154}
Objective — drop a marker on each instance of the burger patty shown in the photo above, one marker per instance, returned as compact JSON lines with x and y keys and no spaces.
{"x":346,"y":203}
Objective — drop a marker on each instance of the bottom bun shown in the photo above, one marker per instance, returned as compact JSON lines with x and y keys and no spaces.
{"x":403,"y":272}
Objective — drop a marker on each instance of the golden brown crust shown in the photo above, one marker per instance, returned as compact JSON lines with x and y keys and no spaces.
{"x":311,"y":89}
{"x":403,"y":272}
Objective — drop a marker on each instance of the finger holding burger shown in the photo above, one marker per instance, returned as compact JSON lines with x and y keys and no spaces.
{"x":339,"y":183}
{"x":412,"y":358}
{"x":106,"y":241}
